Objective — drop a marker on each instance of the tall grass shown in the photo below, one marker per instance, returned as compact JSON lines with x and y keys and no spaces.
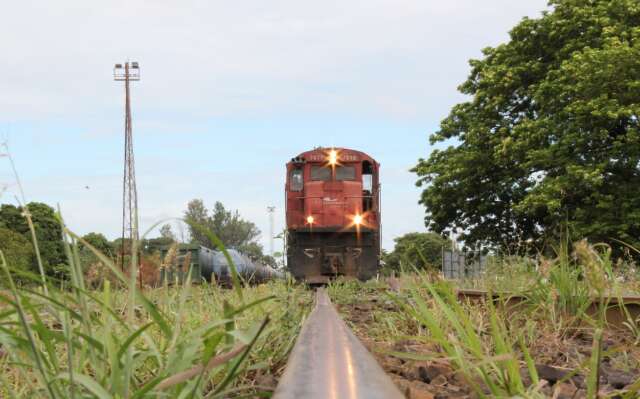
{"x":490,"y":370}
{"x":497,"y":345}
{"x":177,"y":342}
{"x":491,"y":352}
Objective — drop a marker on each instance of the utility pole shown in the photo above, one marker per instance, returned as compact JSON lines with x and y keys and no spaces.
{"x":271,"y":210}
{"x":128,"y":73}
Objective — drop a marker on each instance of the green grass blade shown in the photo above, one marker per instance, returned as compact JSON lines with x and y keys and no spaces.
{"x":88,"y":382}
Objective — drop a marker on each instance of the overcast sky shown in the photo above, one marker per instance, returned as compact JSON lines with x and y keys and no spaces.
{"x":230,"y":91}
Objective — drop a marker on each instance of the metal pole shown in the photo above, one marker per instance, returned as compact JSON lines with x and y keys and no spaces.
{"x":271,"y":210}
{"x":129,"y":190}
{"x":124,"y":173}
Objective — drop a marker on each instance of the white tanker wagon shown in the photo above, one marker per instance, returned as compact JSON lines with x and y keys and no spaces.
{"x":208,"y":265}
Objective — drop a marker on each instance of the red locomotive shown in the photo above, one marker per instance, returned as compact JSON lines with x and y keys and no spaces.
{"x":333,"y":215}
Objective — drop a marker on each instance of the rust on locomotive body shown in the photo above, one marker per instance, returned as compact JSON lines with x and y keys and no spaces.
{"x":333,"y":215}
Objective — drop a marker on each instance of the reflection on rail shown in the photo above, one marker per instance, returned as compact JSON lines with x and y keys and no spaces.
{"x":328,"y":361}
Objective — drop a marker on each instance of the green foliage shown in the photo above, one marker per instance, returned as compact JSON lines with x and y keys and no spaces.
{"x":167,"y":232}
{"x":47,"y":228}
{"x":151,"y":245}
{"x":173,"y":342}
{"x":17,"y":250}
{"x":252,"y":249}
{"x":255,"y":252}
{"x":99,"y":242}
{"x":228,"y":226}
{"x":451,"y":326}
{"x":420,"y":250}
{"x":269,"y":261}
{"x":550,"y":136}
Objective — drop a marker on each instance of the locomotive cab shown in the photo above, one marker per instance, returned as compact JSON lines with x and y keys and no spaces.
{"x":333,"y":215}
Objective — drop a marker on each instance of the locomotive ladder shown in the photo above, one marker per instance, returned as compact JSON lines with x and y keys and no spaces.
{"x":328,"y":361}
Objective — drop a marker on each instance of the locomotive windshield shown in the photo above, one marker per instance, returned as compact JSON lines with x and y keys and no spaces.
{"x":320,"y":173}
{"x":323,"y":173}
{"x":346,"y":173}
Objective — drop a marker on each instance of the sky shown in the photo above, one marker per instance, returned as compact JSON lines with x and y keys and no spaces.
{"x":229,"y":92}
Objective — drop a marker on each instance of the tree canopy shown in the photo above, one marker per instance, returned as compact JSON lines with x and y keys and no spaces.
{"x":100,"y":242}
{"x":419,"y":250}
{"x":549,"y":140}
{"x":228,"y":226}
{"x":47,"y":228}
{"x":17,"y":250}
{"x":167,"y":232}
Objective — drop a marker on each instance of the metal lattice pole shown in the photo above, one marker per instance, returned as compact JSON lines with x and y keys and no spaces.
{"x":130,"y":72}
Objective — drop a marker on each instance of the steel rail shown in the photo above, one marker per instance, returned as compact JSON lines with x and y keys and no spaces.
{"x":619,"y":310}
{"x":329,"y":362}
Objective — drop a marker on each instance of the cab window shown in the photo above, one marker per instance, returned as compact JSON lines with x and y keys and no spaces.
{"x":367,"y":186}
{"x":296,"y":182}
{"x":367,"y":183}
{"x":320,"y":173}
{"x":346,"y":173}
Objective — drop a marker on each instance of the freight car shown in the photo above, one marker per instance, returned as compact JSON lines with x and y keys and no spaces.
{"x":332,"y":215}
{"x":211,"y":265}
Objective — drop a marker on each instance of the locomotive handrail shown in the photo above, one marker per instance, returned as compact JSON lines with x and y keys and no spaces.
{"x":328,"y":361}
{"x":345,"y":196}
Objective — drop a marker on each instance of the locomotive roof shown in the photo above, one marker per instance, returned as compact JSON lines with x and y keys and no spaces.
{"x":324,"y":150}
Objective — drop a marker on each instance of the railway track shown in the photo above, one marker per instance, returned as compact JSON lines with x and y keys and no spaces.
{"x":328,"y":361}
{"x":618,"y":310}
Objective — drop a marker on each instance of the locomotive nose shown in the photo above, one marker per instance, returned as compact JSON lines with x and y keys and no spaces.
{"x":333,"y":222}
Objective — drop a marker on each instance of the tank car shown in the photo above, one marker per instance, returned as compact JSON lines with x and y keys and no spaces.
{"x":332,"y":215}
{"x":211,"y":265}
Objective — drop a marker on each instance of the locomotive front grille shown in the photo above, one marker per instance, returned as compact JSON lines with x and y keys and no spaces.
{"x":333,"y":263}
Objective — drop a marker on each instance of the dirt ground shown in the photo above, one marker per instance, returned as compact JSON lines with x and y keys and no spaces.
{"x":437,"y":379}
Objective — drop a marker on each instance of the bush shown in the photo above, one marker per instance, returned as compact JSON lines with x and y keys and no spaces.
{"x":17,"y":250}
{"x":420,"y":250}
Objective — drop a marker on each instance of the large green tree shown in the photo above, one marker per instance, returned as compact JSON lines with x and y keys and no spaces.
{"x":47,"y":228}
{"x":549,"y":139}
{"x":229,"y":226}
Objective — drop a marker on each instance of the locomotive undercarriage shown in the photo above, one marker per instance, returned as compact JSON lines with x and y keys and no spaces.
{"x":316,"y":257}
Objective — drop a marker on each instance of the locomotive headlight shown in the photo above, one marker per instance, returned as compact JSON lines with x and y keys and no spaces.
{"x":357,"y":219}
{"x":310,"y":219}
{"x":333,"y":157}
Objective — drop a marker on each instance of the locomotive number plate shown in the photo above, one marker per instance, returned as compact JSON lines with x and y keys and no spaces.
{"x":341,"y":157}
{"x":316,"y":158}
{"x":348,"y":157}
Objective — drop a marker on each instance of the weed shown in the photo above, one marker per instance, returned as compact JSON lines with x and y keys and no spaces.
{"x":68,"y":341}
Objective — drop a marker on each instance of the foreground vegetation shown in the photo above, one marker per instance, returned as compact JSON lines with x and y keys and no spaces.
{"x":16,"y":239}
{"x":555,"y":343}
{"x":60,"y":339}
{"x":202,"y":341}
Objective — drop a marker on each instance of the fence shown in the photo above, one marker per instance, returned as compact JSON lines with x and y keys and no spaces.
{"x":459,"y":265}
